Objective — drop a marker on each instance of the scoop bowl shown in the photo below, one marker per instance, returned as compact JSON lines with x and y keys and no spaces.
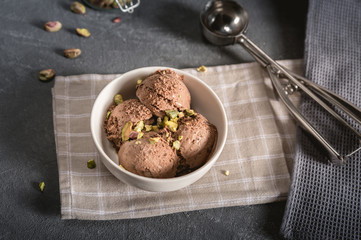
{"x":204,"y":101}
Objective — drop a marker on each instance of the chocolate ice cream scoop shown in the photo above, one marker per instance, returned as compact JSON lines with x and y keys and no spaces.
{"x":130,"y":110}
{"x":149,"y":156}
{"x":197,"y":138}
{"x":164,"y":90}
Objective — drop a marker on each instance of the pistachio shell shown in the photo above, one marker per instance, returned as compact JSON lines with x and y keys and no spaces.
{"x":83,"y":32}
{"x":45,"y":75}
{"x":72,"y":52}
{"x":53,"y":26}
{"x":77,"y":7}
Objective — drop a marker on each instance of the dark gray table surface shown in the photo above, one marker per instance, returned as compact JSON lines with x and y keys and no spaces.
{"x":159,"y":32}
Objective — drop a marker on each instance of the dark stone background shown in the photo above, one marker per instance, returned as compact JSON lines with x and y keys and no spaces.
{"x":159,"y":32}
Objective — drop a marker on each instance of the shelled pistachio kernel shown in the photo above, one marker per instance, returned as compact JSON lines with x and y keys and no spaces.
{"x":148,"y":128}
{"x":46,"y":74}
{"x":140,"y":135}
{"x":139,"y":81}
{"x":83,"y":32}
{"x":202,"y":69}
{"x":172,"y":113}
{"x":154,"y":140}
{"x":77,"y":7}
{"x":180,"y":114}
{"x":155,"y":128}
{"x":127,"y":129}
{"x":118,"y":99}
{"x":41,"y":186}
{"x":108,"y":114}
{"x":190,"y":112}
{"x":91,"y":164}
{"x":72,"y":52}
{"x":139,"y":126}
{"x":226,"y":172}
{"x":180,"y":137}
{"x":176,"y":144}
{"x":171,"y":126}
{"x":53,"y":26}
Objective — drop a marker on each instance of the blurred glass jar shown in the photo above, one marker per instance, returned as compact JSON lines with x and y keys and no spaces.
{"x":123,"y":5}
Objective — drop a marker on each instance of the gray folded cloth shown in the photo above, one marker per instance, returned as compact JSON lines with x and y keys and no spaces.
{"x":325,"y":200}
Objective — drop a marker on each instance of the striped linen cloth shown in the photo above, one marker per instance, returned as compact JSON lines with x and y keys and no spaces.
{"x":258,"y":153}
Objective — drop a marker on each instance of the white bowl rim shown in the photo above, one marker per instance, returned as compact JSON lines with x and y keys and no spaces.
{"x":215,"y":154}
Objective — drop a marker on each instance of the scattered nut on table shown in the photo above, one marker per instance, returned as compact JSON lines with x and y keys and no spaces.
{"x":72,"y":52}
{"x":83,"y":32}
{"x":77,"y":7}
{"x":46,"y":74}
{"x":53,"y":26}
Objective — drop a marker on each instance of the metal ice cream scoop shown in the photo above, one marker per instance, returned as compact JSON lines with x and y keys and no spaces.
{"x":225,"y":22}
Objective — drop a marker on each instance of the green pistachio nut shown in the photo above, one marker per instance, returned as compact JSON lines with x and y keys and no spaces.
{"x":154,"y":140}
{"x":83,"y":32}
{"x":118,"y":99}
{"x":140,"y":135}
{"x":127,"y":129}
{"x":176,"y":144}
{"x":91,"y":164}
{"x":172,"y":113}
{"x":77,"y":7}
{"x":171,"y":126}
{"x":148,"y":128}
{"x":72,"y":53}
{"x":46,"y":74}
{"x":190,"y":112}
{"x":139,"y":127}
{"x":42,"y":186}
{"x":53,"y":26}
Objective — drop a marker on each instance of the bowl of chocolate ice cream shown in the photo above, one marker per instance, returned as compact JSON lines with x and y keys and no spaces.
{"x":157,"y":128}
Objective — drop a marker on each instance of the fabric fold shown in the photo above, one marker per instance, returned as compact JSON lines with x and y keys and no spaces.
{"x":325,"y":199}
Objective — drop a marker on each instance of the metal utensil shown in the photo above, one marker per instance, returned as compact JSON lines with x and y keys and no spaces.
{"x":113,"y":5}
{"x":127,"y":5}
{"x":225,"y":22}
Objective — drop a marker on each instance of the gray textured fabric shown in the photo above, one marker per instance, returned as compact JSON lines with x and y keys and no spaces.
{"x":325,"y":200}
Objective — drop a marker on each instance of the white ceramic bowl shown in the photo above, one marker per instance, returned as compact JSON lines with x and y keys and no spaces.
{"x":203,"y":100}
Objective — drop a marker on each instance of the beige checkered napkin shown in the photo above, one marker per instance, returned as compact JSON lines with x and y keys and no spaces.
{"x":258,"y":152}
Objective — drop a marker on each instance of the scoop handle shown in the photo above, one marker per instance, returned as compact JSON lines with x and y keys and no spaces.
{"x":316,"y":92}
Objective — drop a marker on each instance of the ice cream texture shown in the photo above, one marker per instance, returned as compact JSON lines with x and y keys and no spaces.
{"x":159,"y":136}
{"x":150,"y":156}
{"x":164,"y":90}
{"x":131,"y":110}
{"x":197,"y":136}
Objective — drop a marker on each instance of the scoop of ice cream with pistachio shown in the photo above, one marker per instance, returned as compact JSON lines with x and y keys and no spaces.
{"x":159,"y":136}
